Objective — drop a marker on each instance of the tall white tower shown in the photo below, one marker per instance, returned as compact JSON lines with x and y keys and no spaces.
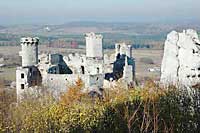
{"x":29,"y":51}
{"x":94,"y":60}
{"x":28,"y":74}
{"x":94,"y":46}
{"x":94,"y":54}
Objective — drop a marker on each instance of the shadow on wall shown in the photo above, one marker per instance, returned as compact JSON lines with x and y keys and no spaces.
{"x":118,"y":67}
{"x":34,"y":76}
{"x":58,"y":65}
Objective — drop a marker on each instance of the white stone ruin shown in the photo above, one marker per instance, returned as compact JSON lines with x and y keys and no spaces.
{"x":58,"y":72}
{"x":181,"y":59}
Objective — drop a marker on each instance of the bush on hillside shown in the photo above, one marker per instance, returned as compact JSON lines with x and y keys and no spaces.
{"x":146,"y":109}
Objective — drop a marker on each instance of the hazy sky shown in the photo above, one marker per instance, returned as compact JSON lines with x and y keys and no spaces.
{"x":62,"y":11}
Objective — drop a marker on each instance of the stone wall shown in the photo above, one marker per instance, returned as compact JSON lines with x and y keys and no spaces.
{"x":27,"y":77}
{"x":59,"y":83}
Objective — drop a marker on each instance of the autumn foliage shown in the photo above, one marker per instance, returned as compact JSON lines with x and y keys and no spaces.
{"x":73,"y":94}
{"x":150,"y":108}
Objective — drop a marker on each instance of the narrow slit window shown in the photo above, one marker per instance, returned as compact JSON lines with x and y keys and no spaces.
{"x":22,"y":86}
{"x":97,"y":70}
{"x":82,"y":69}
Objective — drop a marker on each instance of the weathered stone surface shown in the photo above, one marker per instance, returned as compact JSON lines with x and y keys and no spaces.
{"x":181,"y":60}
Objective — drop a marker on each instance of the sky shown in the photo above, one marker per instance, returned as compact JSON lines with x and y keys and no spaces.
{"x":62,"y":11}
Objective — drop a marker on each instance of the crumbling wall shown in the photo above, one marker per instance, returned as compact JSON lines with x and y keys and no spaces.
{"x":27,"y":77}
{"x":94,"y":80}
{"x":54,"y":64}
{"x":59,"y":83}
{"x":128,"y":72}
{"x":94,"y":66}
{"x":76,"y":62}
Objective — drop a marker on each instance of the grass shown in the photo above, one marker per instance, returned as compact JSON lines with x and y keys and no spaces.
{"x":8,"y":73}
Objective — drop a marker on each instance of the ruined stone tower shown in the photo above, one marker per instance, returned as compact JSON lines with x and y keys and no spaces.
{"x":28,"y":74}
{"x":29,"y":51}
{"x":94,"y":45}
{"x":123,"y":49}
{"x":124,"y":66}
{"x":94,"y":59}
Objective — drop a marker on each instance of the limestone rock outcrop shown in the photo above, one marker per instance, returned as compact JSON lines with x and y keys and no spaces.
{"x":181,"y":59}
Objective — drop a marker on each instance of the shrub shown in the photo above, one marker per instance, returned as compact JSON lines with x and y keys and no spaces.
{"x":147,"y":109}
{"x":7,"y":97}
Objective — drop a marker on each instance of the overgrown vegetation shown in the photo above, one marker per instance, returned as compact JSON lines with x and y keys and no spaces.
{"x":141,"y":109}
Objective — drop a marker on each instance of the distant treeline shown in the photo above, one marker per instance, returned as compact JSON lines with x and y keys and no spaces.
{"x":137,"y":41}
{"x":135,"y":46}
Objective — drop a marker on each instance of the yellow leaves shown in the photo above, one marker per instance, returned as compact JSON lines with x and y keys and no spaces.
{"x":76,"y":112}
{"x":149,"y":92}
{"x":79,"y":83}
{"x":152,"y":92}
{"x":73,"y":94}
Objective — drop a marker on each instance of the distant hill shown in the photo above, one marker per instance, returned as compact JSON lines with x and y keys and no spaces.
{"x":150,"y":35}
{"x":80,"y":27}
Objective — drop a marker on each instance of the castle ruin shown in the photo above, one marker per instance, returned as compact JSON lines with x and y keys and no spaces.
{"x":58,"y":72}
